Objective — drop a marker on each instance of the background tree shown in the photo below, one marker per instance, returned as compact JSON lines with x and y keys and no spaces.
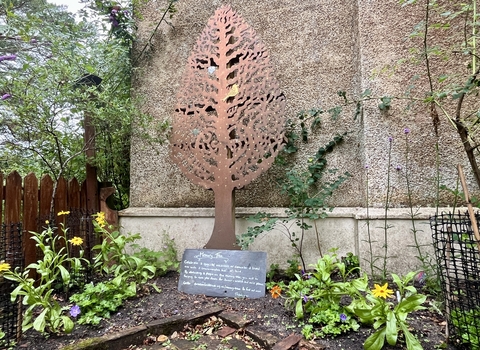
{"x":44,"y":53}
{"x":229,"y":122}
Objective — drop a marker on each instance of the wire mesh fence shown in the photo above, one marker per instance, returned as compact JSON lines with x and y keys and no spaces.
{"x":78,"y":223}
{"x":458,"y":257}
{"x":11,"y":252}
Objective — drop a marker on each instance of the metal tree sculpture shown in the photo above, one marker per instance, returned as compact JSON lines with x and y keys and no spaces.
{"x":229,"y":120}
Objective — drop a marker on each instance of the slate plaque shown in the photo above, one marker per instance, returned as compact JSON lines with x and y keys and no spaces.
{"x":223,"y":273}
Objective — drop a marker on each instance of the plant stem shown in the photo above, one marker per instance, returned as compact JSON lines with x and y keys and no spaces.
{"x":372,"y":260}
{"x":386,"y":226}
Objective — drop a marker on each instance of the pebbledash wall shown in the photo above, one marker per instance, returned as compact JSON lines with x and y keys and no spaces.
{"x":317,"y":47}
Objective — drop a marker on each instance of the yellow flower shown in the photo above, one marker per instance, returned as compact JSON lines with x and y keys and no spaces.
{"x":47,"y":222}
{"x":63,"y":213}
{"x":4,"y":267}
{"x":276,"y":291}
{"x":76,"y":241}
{"x":382,"y":291}
{"x":100,"y":219}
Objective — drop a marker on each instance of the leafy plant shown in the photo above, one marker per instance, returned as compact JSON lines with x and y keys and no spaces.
{"x":163,"y":260}
{"x":193,"y":336}
{"x":113,"y":258}
{"x":352,"y":264}
{"x":307,"y":194}
{"x":272,"y":272}
{"x":98,"y":301}
{"x":39,"y":298}
{"x":44,"y":313}
{"x":388,"y":318}
{"x":317,"y":297}
{"x":466,"y":324}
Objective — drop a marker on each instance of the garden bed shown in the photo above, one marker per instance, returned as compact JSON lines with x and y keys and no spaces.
{"x":267,"y":315}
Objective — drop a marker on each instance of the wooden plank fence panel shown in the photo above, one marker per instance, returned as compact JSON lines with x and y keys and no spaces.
{"x":30,"y":217}
{"x":60,"y":205}
{"x":61,"y":197}
{"x":46,"y":192}
{"x":13,"y":198}
{"x":27,"y":203}
{"x":73,"y":194}
{"x":83,"y":195}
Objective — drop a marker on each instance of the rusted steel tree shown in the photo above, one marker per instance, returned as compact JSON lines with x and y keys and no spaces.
{"x":229,"y":120}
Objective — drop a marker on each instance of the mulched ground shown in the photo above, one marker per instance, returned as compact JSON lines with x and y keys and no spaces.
{"x":265,"y":313}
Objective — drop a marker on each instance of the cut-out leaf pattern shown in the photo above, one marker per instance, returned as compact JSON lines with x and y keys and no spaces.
{"x":229,"y":119}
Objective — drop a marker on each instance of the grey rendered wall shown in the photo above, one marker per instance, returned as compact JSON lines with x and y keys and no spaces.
{"x":317,"y":48}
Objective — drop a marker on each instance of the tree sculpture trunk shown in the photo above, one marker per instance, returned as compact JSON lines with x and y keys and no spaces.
{"x":229,"y":120}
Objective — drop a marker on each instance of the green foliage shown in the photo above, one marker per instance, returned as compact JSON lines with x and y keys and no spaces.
{"x":272,"y":272}
{"x":466,"y":325}
{"x":163,"y":260}
{"x":44,"y":313}
{"x":388,"y":318}
{"x":57,"y":270}
{"x":112,"y":257}
{"x":98,"y":301}
{"x":51,"y":318}
{"x":304,"y":187}
{"x":330,"y":300}
{"x":316,"y":297}
{"x":64,"y":70}
{"x":352,"y":263}
{"x":193,"y":336}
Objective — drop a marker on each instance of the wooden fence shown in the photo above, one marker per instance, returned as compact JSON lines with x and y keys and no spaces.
{"x":27,"y":203}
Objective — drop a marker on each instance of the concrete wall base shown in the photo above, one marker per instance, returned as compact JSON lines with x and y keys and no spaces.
{"x":347,"y":229}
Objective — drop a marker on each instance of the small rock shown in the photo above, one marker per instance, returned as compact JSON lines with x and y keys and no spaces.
{"x":162,"y":338}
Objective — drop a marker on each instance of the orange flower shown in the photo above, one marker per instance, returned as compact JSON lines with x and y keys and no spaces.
{"x":276,"y":291}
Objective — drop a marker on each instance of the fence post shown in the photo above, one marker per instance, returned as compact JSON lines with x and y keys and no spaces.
{"x":30,"y":218}
{"x":46,"y":192}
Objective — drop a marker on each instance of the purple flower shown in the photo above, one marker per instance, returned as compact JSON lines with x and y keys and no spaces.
{"x":8,"y":58}
{"x":75,"y":311}
{"x":390,"y":139}
{"x":398,"y":168}
{"x":5,"y":97}
{"x":114,"y":21}
{"x":305,"y":275}
{"x":367,"y":166}
{"x":343,"y":317}
{"x":406,"y":131}
{"x":305,"y":299}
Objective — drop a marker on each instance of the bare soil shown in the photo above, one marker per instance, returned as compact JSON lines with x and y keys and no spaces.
{"x":266,"y":313}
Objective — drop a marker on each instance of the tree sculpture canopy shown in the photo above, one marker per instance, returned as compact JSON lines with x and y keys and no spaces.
{"x":229,"y":120}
